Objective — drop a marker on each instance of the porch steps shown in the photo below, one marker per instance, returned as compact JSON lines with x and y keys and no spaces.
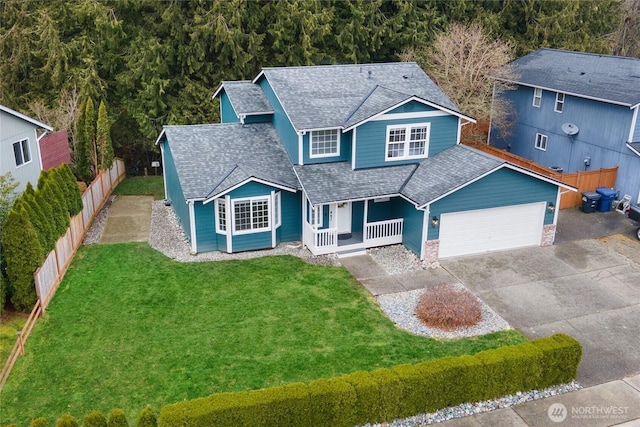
{"x":352,"y":252}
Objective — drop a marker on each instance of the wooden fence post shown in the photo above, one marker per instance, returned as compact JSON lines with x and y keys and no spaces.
{"x":20,"y":342}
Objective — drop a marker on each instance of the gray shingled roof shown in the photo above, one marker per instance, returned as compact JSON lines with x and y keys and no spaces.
{"x":329,"y":96}
{"x":246,"y":97}
{"x":446,"y":171}
{"x":635,"y":146}
{"x":332,"y":182}
{"x":210,"y":159}
{"x":611,"y":78}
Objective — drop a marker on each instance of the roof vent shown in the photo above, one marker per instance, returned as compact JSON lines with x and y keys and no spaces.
{"x":370,"y":72}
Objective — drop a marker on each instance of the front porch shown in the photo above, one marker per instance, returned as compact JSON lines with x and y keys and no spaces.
{"x":341,"y":228}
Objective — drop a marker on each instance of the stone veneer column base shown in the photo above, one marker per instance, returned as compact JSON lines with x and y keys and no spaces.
{"x":431,"y":251}
{"x":548,"y":235}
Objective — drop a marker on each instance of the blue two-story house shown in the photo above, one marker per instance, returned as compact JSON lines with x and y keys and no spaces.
{"x":344,"y":158}
{"x":576,"y":111}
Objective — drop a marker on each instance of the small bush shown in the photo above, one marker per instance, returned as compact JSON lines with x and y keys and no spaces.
{"x":39,"y":422}
{"x":447,"y":308}
{"x":147,"y":418}
{"x":94,"y":419}
{"x":67,"y":420}
{"x":117,"y":419}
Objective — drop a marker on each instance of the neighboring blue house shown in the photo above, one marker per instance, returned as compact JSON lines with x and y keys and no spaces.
{"x":577,"y":111}
{"x":345,"y":158}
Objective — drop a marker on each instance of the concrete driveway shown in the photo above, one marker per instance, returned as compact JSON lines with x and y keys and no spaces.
{"x":589,"y":289}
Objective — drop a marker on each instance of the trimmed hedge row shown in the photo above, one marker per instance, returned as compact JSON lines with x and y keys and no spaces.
{"x":387,"y":394}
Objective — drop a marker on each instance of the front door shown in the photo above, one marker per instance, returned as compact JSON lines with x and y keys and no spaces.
{"x":344,"y":217}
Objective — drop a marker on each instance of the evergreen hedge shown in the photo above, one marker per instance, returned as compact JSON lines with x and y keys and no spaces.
{"x":387,"y":394}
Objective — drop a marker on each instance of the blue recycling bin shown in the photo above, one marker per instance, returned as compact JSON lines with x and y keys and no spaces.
{"x":606,"y":198}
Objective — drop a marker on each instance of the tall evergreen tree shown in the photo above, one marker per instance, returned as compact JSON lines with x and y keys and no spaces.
{"x":104,"y":147}
{"x":23,"y":255}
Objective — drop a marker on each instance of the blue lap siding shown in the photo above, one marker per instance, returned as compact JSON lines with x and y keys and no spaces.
{"x":343,"y":155}
{"x":504,"y":187}
{"x":227,"y":113}
{"x":174,"y":190}
{"x":281,"y":122}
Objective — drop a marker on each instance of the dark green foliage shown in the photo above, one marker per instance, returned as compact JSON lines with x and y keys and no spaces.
{"x":386,"y":394}
{"x":147,"y":418}
{"x":75,"y":196}
{"x":368,"y":397}
{"x":391,"y":392}
{"x":152,"y":69}
{"x":104,"y":147}
{"x":67,"y":420}
{"x":39,"y":422}
{"x":38,"y":220}
{"x":51,"y":193}
{"x":117,"y":419}
{"x":561,"y":357}
{"x":3,"y":292}
{"x":23,"y":255}
{"x":47,"y":212}
{"x":94,"y":419}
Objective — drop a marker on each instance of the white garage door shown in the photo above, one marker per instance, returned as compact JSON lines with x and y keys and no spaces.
{"x":484,"y":230}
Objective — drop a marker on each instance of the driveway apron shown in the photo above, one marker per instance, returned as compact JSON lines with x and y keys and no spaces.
{"x":589,"y":289}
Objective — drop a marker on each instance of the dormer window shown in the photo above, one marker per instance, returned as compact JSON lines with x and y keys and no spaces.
{"x":559,"y":102}
{"x":537,"y":97}
{"x":325,"y":143}
{"x":407,"y":141}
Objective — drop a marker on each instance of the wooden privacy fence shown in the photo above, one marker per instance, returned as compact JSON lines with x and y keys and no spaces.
{"x":582,"y":180}
{"x":50,"y":274}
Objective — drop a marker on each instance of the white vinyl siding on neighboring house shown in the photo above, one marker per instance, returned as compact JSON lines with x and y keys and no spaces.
{"x":407,"y":141}
{"x":21,"y":152}
{"x":537,"y":97}
{"x":541,"y":142}
{"x":559,"y":102}
{"x":251,"y":215}
{"x":325,"y":143}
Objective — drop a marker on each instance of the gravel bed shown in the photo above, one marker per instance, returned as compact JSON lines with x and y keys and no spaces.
{"x":467,"y":409}
{"x":400,"y":307}
{"x":95,"y":231}
{"x":396,"y":259}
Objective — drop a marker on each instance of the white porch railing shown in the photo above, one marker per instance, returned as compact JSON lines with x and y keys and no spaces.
{"x":382,"y":233}
{"x":378,"y":233}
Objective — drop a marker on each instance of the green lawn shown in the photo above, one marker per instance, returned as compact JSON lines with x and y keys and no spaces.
{"x":141,"y":185}
{"x":129,"y":327}
{"x":10,"y":323}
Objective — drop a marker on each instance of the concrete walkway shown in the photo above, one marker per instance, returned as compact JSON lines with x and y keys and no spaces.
{"x":129,"y":220}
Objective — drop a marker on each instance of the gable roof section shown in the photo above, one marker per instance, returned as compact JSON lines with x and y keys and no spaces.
{"x":212,"y":159}
{"x":447,"y":171}
{"x":246,"y":97}
{"x":25,"y":118}
{"x":336,"y":182}
{"x":329,"y":96}
{"x":614,"y":79}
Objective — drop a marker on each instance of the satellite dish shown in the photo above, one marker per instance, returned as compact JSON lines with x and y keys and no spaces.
{"x":570,"y":129}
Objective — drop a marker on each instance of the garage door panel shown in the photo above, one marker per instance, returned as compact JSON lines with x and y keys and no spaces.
{"x":484,"y":230}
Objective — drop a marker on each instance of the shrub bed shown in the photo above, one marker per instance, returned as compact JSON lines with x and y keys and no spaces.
{"x":387,"y":394}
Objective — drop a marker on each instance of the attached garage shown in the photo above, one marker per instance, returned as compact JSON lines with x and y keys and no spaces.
{"x":493,"y":229}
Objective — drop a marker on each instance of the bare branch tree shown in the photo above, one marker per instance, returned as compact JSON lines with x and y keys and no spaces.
{"x":462,"y":61}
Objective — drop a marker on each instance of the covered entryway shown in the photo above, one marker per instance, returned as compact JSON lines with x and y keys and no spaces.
{"x":485,"y":230}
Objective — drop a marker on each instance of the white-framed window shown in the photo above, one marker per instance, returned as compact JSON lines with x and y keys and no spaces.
{"x":559,"y":102}
{"x":315,"y":216}
{"x":277,"y":211}
{"x":541,"y":142}
{"x":251,"y":215}
{"x":325,"y":143}
{"x":221,"y":216}
{"x":407,"y":141}
{"x":537,"y":97}
{"x":21,"y":152}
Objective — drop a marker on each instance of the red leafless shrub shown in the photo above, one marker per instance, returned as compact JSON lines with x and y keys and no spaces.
{"x":447,"y":308}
